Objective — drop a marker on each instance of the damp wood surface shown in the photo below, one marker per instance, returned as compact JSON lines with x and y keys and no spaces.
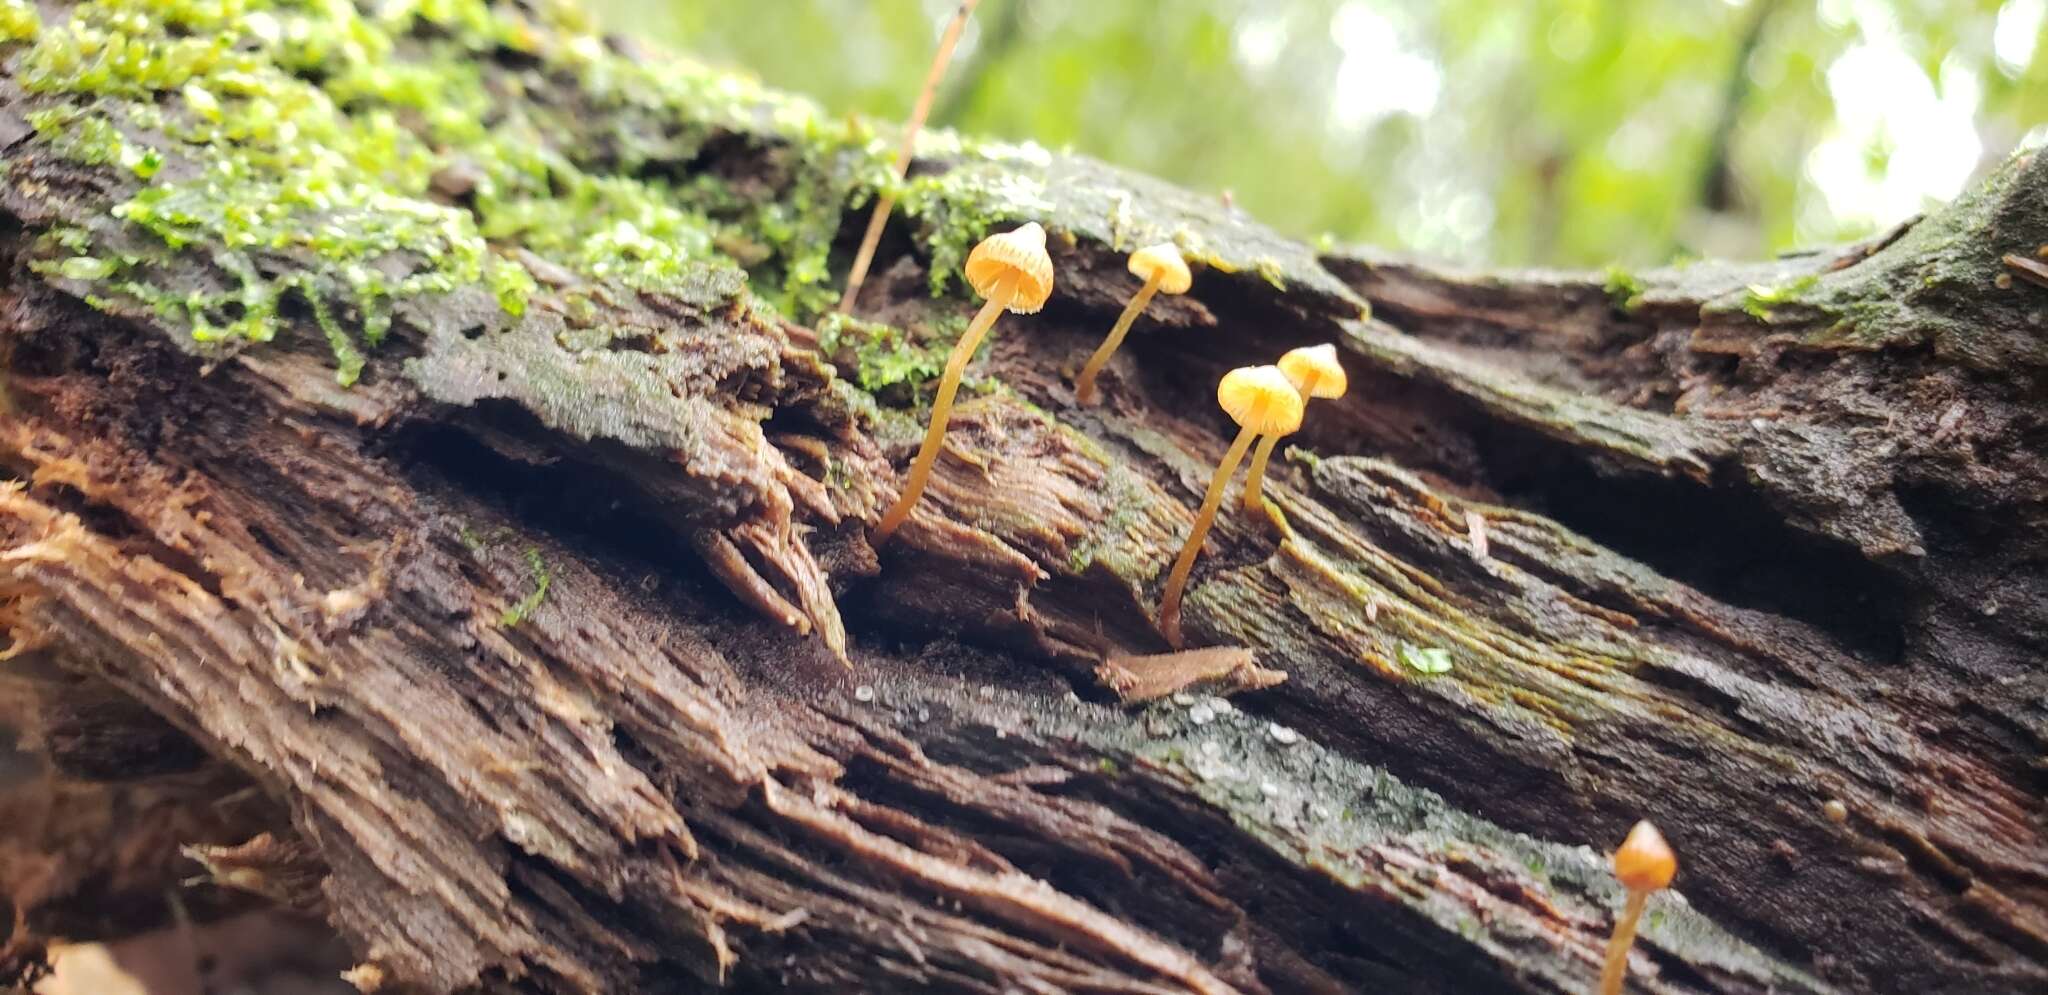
{"x":467,"y":547}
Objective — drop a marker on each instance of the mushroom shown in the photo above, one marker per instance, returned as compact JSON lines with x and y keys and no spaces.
{"x":1262,"y":401}
{"x":1163,"y":271}
{"x":884,"y":202}
{"x":1011,"y":272}
{"x":1644,"y":863}
{"x":1315,"y":372}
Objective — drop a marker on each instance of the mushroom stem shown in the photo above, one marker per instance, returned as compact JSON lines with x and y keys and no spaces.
{"x":1617,"y":947}
{"x":1169,"y":606}
{"x":942,"y":406}
{"x":1254,"y":485}
{"x":1084,"y":385}
{"x":886,"y":202}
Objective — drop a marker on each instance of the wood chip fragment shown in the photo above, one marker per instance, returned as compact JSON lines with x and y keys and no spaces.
{"x":2031,"y":270}
{"x":286,"y":871}
{"x":731,"y":566}
{"x":1950,"y":418}
{"x":367,"y":977}
{"x":1144,"y":678}
{"x":787,"y":921}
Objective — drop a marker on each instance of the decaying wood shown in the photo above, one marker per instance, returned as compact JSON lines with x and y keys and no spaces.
{"x":99,"y":809}
{"x":1769,"y":575}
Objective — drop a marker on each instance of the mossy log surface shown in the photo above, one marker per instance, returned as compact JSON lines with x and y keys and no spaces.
{"x":435,"y":502}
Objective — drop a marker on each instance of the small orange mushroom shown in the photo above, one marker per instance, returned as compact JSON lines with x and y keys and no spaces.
{"x":1163,"y":271}
{"x":1315,"y":372}
{"x":1262,"y":401}
{"x":884,"y":202}
{"x":1644,"y":864}
{"x":1012,"y":272}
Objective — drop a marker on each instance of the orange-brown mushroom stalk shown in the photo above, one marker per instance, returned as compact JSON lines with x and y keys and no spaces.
{"x":1164,"y":272}
{"x":1644,"y":863}
{"x":1261,"y":401}
{"x":1314,"y":372}
{"x":885,"y":203}
{"x":1012,"y":272}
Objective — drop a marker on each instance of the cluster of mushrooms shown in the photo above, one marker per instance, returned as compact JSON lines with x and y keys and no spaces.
{"x":1011,"y":271}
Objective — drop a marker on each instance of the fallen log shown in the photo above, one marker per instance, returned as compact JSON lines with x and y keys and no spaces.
{"x":427,"y":416}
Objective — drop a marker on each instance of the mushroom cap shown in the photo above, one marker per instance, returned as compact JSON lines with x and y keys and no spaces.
{"x":1320,"y":360}
{"x":1019,"y":253}
{"x":1645,"y":862}
{"x":1261,"y":399}
{"x":1164,"y":262}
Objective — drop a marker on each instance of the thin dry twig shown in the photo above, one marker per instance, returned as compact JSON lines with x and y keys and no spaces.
{"x":886,"y":203}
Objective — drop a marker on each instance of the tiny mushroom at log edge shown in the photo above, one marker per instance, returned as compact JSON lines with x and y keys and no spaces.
{"x":1263,"y":402}
{"x":1315,"y":372}
{"x":1164,"y":271}
{"x":1644,"y":863}
{"x":1011,"y":271}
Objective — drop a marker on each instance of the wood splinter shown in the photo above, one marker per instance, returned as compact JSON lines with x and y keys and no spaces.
{"x":1138,"y":679}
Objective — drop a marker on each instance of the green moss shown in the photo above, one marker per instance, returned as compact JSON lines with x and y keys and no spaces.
{"x":961,"y":207}
{"x":482,"y":544}
{"x":878,"y":356}
{"x":609,"y":229}
{"x":347,"y":358}
{"x":1624,"y":290}
{"x":797,"y":229}
{"x":1762,"y":302}
{"x":537,"y":568}
{"x":1935,"y":284}
{"x":316,"y":132}
{"x":84,"y":268}
{"x":320,"y":166}
{"x":19,"y":21}
{"x":91,"y":138}
{"x":276,"y":165}
{"x":96,"y":53}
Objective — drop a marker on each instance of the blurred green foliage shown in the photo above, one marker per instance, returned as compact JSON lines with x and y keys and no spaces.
{"x":1553,"y":131}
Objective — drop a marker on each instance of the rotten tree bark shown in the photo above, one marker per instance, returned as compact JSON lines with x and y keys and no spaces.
{"x":526,"y":650}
